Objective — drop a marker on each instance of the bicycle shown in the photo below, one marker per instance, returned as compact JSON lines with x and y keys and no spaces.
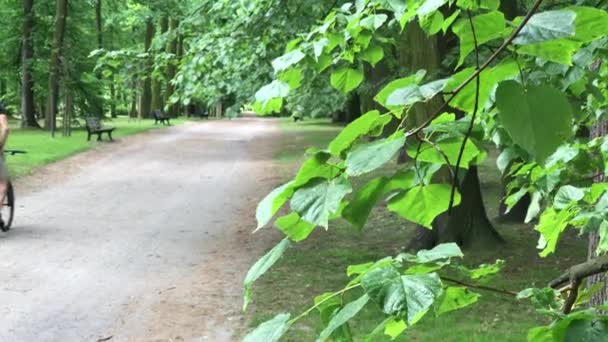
{"x":8,"y":207}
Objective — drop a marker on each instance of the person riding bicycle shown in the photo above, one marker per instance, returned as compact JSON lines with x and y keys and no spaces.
{"x":3,"y":170}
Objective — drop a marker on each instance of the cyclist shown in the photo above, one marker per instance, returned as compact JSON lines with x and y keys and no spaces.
{"x":3,"y":169}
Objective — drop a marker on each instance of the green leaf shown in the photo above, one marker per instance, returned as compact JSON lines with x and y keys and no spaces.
{"x":440,"y":252}
{"x":568,"y":195}
{"x":602,"y":247}
{"x":430,"y":6}
{"x":271,"y":204}
{"x":541,"y":334}
{"x":287,"y":60}
{"x":412,"y":94}
{"x":552,"y":224}
{"x":320,"y":199}
{"x":261,"y":267}
{"x":316,"y":166}
{"x":374,"y":21}
{"x":294,"y":227}
{"x":484,"y":270}
{"x":395,"y":328}
{"x":587,"y":330}
{"x":423,"y":204}
{"x":456,"y":298}
{"x":373,"y":55}
{"x":346,"y":79}
{"x":274,"y":90}
{"x":591,"y":23}
{"x":407,"y":296}
{"x":270,"y":331}
{"x":539,"y":119}
{"x":390,"y":88}
{"x":450,"y":148}
{"x":368,"y":157}
{"x":365,"y":199}
{"x":349,"y":311}
{"x":547,"y":26}
{"x":488,"y":27}
{"x":559,"y":51}
{"x":292,"y":77}
{"x":355,"y":130}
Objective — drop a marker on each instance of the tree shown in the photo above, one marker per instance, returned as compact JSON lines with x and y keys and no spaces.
{"x":55,"y":64}
{"x":28,"y":109}
{"x":145,"y":104}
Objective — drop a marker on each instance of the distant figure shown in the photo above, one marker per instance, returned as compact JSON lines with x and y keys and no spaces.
{"x":3,"y":169}
{"x":297,"y":118}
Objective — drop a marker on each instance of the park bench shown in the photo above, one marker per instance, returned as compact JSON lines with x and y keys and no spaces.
{"x":94,"y":126}
{"x":161,"y":117}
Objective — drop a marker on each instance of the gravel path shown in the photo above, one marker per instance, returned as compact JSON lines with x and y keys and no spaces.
{"x":143,"y":240}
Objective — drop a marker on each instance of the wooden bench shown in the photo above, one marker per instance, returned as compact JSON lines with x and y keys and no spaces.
{"x":94,"y":126}
{"x":161,"y":117}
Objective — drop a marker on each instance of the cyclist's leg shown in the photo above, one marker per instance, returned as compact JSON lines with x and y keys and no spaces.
{"x":3,"y":184}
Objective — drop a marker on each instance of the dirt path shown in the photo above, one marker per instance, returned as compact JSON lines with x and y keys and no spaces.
{"x":145,"y":240}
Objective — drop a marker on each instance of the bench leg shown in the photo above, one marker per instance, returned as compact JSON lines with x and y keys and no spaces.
{"x":110,"y":136}
{"x":168,"y":122}
{"x":99,"y":137}
{"x":89,"y":137}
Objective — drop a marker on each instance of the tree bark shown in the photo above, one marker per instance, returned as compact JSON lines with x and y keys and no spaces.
{"x":98,"y":104}
{"x":601,"y":297}
{"x":28,"y":109}
{"x":145,"y":103}
{"x":468,"y":225}
{"x":55,"y":65}
{"x":157,"y":95}
{"x":171,"y":68}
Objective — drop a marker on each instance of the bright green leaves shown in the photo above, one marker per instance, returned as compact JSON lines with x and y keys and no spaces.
{"x":261,"y":267}
{"x":364,"y":125}
{"x":374,"y":21}
{"x":488,"y":27}
{"x":412,"y":94}
{"x":349,"y":311}
{"x":552,"y":224}
{"x":271,"y":95}
{"x":364,"y":200}
{"x":422,"y":205}
{"x":288,"y":60}
{"x":271,"y":204}
{"x":430,"y":6}
{"x":539,"y":118}
{"x":450,"y":148}
{"x":346,"y":79}
{"x":365,"y":158}
{"x":456,"y":298}
{"x":316,"y":202}
{"x":270,"y":331}
{"x":408,"y":296}
{"x":546,"y":26}
{"x":389,"y":89}
{"x":294,"y":227}
{"x":373,"y":55}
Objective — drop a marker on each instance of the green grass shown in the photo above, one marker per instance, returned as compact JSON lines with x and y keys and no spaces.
{"x":309,"y":133}
{"x":42,"y":149}
{"x":318,"y":265}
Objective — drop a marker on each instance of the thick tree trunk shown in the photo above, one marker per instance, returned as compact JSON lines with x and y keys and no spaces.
{"x":55,"y":65}
{"x":98,"y":103}
{"x":468,"y":225}
{"x":601,"y":297}
{"x":145,"y":103}
{"x":28,"y":109}
{"x":171,"y":68}
{"x":157,"y":94}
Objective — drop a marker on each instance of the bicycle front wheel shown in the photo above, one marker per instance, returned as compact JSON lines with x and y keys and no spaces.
{"x":8,"y":208}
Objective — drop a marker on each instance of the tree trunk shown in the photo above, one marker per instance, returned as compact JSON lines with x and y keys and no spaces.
{"x":145,"y":103}
{"x":98,"y":103}
{"x":55,"y":66}
{"x":468,"y":225}
{"x":171,"y":68}
{"x":28,"y":109}
{"x":157,"y":95}
{"x":601,"y":297}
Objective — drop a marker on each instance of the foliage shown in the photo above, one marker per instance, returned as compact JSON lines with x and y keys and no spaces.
{"x":541,"y":83}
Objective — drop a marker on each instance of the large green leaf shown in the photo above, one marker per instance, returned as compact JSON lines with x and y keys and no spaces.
{"x":408,"y":296}
{"x":488,"y":26}
{"x":591,"y":23}
{"x":559,"y":51}
{"x":373,"y":55}
{"x":270,"y":331}
{"x":365,"y":199}
{"x":287,"y":60}
{"x":547,"y":26}
{"x":349,"y":311}
{"x":294,"y":227}
{"x":316,"y":166}
{"x":316,"y":202}
{"x":423,"y":204}
{"x":374,"y":21}
{"x":357,"y":129}
{"x":369,"y":157}
{"x":456,"y":298}
{"x":346,"y":79}
{"x":262,"y":266}
{"x":412,"y":94}
{"x":271,"y":204}
{"x":440,"y":252}
{"x":430,"y":6}
{"x":449,"y":148}
{"x":465,"y":100}
{"x":390,"y":88}
{"x":539,"y":118}
{"x":552,"y":224}
{"x":274,"y":90}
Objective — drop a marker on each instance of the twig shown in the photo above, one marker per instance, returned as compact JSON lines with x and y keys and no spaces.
{"x":445,"y":157}
{"x":481,"y":287}
{"x":480,"y":69}
{"x":474,"y":116}
{"x":335,"y":294}
{"x":576,"y":283}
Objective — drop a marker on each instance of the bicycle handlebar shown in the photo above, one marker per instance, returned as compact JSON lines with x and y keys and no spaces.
{"x":14,"y":152}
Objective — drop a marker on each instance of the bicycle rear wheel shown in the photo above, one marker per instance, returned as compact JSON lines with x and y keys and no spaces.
{"x":8,"y":208}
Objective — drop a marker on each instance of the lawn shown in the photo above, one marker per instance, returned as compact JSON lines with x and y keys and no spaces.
{"x":42,"y":149}
{"x":318,"y":265}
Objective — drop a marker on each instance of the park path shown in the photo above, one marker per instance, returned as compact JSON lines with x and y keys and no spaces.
{"x":143,"y":240}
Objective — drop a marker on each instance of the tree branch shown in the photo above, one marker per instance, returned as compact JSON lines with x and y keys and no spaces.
{"x":481,"y":287}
